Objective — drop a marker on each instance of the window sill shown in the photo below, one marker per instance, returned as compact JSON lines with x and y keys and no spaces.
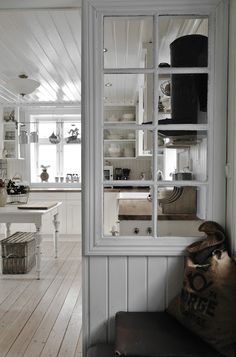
{"x":52,"y":186}
{"x":139,"y":246}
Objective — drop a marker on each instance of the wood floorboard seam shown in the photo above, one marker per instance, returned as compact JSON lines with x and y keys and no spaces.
{"x":58,"y":269}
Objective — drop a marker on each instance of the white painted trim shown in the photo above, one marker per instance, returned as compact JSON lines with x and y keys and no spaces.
{"x":220,"y":114}
{"x":171,"y":6}
{"x":161,"y":71}
{"x":231,"y":182}
{"x":39,"y":4}
{"x":162,"y":246}
{"x":92,"y":114}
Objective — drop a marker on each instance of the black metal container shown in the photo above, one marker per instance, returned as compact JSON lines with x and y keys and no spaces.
{"x":189,"y":91}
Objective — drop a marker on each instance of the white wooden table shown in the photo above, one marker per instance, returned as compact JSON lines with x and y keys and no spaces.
{"x":11,"y":214}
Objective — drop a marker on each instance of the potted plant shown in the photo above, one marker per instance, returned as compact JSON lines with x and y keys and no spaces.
{"x":44,"y":174}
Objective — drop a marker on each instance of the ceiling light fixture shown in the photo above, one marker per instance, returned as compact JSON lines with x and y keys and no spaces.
{"x":105,"y":50}
{"x":108,"y":84}
{"x":22,"y":85}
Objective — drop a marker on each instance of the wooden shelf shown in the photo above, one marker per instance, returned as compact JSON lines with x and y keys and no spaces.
{"x":120,"y":140}
{"x":119,"y":157}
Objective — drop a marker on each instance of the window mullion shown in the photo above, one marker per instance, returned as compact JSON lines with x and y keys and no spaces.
{"x":61,"y":148}
{"x":155,"y":122}
{"x":37,"y":147}
{"x":58,"y":168}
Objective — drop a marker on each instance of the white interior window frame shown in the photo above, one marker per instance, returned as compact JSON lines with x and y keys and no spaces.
{"x":30,"y":115}
{"x":92,"y":155}
{"x":44,"y":141}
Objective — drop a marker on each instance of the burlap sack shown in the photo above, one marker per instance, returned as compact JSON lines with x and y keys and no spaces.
{"x":207,"y":303}
{"x":201,"y":251}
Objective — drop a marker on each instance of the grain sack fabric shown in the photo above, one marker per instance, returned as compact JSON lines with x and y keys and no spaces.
{"x":207,"y":302}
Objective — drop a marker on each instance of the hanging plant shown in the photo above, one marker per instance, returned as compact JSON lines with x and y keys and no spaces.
{"x":73,"y":138}
{"x":54,"y":139}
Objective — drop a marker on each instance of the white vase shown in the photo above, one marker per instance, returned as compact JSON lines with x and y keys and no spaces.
{"x":3,"y":196}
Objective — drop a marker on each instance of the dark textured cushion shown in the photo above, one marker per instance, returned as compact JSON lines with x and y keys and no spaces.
{"x":101,"y":350}
{"x":156,"y":334}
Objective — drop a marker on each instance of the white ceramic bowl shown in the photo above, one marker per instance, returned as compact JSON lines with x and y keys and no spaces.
{"x":128,"y":116}
{"x":114,"y":150}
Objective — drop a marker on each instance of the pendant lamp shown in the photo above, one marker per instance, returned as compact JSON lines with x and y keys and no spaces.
{"x":22,"y":85}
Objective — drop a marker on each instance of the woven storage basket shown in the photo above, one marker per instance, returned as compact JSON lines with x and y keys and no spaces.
{"x":18,"y":253}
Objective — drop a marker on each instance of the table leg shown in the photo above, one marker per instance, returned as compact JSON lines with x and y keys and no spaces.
{"x":56,"y":224}
{"x":8,"y":231}
{"x":38,"y":251}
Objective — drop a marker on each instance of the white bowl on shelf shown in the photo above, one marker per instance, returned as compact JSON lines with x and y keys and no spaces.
{"x":128,"y":117}
{"x":114,"y":150}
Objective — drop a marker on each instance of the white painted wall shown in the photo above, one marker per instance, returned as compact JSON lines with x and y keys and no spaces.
{"x":128,"y":284}
{"x":231,"y":183}
{"x":133,"y":283}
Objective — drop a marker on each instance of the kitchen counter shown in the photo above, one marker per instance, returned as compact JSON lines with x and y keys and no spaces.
{"x":127,"y":189}
{"x":142,"y":210}
{"x":54,"y":189}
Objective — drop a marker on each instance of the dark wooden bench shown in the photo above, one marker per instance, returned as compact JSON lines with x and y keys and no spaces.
{"x":152,"y":334}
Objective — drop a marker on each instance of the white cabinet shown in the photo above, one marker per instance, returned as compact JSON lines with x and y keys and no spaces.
{"x":119,"y":142}
{"x":10,"y":131}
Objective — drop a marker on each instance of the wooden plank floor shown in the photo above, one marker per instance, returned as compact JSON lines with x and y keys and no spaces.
{"x":43,"y":317}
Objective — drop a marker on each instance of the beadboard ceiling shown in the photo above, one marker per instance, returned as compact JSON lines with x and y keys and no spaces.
{"x":45,"y":45}
{"x":128,"y":44}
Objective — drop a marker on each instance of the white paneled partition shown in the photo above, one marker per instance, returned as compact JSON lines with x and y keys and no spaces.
{"x":128,"y":284}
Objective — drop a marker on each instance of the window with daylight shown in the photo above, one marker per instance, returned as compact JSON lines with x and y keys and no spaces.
{"x":57,"y":150}
{"x":156,"y":117}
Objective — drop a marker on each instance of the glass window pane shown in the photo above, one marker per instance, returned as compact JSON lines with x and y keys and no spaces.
{"x":183,"y":99}
{"x":45,"y":129}
{"x":72,"y":161}
{"x":72,"y":132}
{"x":120,"y":113}
{"x":183,"y":41}
{"x":128,"y":154}
{"x":128,"y":42}
{"x":182,"y":155}
{"x":128,"y":98}
{"x":47,"y":157}
{"x":127,"y":212}
{"x":181,"y":204}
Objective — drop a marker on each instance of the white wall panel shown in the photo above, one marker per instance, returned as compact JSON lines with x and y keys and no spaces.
{"x":98,"y":299}
{"x":137,"y":284}
{"x":117,"y":281}
{"x":174,"y":277}
{"x":157,"y":271}
{"x":128,"y":284}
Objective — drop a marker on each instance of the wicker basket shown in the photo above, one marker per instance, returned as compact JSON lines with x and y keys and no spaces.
{"x":17,"y":199}
{"x":18,"y":253}
{"x":18,"y":191}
